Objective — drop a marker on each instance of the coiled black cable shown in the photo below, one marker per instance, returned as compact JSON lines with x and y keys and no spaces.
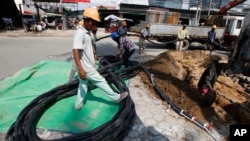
{"x":24,"y":128}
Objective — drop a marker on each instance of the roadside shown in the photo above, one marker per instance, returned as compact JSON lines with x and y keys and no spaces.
{"x":46,"y":33}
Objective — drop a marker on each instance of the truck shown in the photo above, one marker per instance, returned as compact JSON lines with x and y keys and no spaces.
{"x":225,"y":36}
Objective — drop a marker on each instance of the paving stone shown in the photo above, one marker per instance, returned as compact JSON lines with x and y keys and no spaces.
{"x":152,"y":131}
{"x":140,"y":103}
{"x":136,"y":139}
{"x":147,"y":139}
{"x":150,"y":122}
{"x":160,"y":138}
{"x":181,"y":135}
{"x":158,"y":117}
{"x":155,"y":111}
{"x":164,"y":125}
{"x":133,"y":134}
{"x":126,"y":139}
{"x":147,"y":114}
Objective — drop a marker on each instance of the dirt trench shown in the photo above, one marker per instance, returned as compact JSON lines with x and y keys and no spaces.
{"x":177,"y":74}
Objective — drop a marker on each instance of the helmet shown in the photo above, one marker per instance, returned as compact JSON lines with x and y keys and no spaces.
{"x":114,"y":35}
{"x":214,"y":26}
{"x":91,"y":13}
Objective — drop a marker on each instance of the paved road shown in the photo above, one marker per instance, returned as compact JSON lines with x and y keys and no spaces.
{"x":154,"y":120}
{"x":20,"y":49}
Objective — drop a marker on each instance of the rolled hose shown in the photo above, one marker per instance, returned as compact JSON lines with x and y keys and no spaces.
{"x":24,"y":128}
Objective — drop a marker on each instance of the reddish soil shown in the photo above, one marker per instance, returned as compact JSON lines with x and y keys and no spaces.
{"x":177,"y":74}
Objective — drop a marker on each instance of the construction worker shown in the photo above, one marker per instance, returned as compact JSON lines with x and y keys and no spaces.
{"x":83,"y":54}
{"x":182,"y":35}
{"x":126,"y":48}
{"x":93,"y":39}
{"x":122,"y":30}
{"x":144,"y":34}
{"x":211,"y":38}
{"x":209,"y":77}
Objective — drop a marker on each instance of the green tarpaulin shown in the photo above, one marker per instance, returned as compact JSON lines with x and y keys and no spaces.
{"x":18,"y":90}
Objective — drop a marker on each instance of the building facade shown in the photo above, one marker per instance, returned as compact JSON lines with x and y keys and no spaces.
{"x":176,"y":4}
{"x":212,"y":4}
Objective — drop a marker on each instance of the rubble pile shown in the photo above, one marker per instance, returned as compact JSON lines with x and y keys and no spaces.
{"x":241,"y":79}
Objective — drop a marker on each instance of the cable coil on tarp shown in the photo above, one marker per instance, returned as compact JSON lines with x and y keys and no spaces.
{"x":24,"y":128}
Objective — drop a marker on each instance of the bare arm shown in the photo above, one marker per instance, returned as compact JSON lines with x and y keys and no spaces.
{"x":81,"y":71}
{"x":209,"y":78}
{"x":120,"y":50}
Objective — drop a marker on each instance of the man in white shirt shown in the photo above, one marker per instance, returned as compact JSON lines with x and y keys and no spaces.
{"x":83,"y":54}
{"x":143,"y":36}
{"x":182,"y":35}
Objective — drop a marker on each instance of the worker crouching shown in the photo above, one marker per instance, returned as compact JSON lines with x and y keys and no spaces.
{"x":208,"y":79}
{"x":126,"y":48}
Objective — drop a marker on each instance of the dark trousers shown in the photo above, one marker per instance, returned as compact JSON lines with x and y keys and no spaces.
{"x":127,"y":54}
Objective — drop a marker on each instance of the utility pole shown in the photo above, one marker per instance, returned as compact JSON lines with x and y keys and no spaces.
{"x":209,"y":8}
{"x":63,"y":16}
{"x":198,"y":13}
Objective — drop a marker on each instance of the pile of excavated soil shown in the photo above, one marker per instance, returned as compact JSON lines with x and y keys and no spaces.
{"x":177,"y":74}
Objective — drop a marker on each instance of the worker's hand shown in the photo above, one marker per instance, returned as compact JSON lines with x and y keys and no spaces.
{"x":96,"y":56}
{"x":82,"y":74}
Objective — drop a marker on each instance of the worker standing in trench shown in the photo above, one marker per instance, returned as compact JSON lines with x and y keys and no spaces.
{"x":208,"y":79}
{"x":83,"y":54}
{"x":126,"y":48}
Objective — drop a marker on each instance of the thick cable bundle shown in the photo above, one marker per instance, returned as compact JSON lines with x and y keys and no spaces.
{"x":24,"y":128}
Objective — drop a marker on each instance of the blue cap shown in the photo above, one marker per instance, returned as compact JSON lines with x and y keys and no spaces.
{"x":114,"y":35}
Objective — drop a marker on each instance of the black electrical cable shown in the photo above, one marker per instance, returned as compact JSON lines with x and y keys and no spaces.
{"x":204,"y":126}
{"x":24,"y":128}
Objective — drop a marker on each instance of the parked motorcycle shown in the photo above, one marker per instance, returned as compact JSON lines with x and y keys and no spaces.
{"x":7,"y":23}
